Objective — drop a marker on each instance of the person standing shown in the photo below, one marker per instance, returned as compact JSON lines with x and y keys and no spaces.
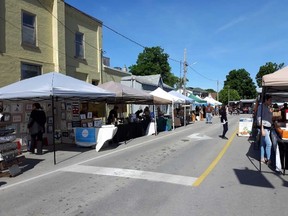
{"x":113,"y":114}
{"x":209,"y":110}
{"x":264,"y":122}
{"x":224,"y":121}
{"x":283,"y":112}
{"x":36,"y":126}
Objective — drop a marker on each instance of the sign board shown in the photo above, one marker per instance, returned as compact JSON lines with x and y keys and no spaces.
{"x":245,"y":126}
{"x":85,"y":136}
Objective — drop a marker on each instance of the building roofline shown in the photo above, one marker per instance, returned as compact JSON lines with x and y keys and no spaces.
{"x":85,"y":14}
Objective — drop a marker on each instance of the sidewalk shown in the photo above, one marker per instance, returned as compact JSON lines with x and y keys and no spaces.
{"x":35,"y":165}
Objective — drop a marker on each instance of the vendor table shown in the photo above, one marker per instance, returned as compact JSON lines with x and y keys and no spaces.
{"x":94,"y":136}
{"x":131,"y":130}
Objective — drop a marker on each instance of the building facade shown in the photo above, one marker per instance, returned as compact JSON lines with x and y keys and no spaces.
{"x":40,"y":36}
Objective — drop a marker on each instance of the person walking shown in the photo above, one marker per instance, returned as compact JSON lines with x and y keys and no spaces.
{"x":36,"y":126}
{"x":264,"y":123}
{"x":209,"y":110}
{"x":224,"y":121}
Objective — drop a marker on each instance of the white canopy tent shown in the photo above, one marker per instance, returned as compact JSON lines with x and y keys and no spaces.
{"x":51,"y":86}
{"x":165,"y":95}
{"x":188,"y":100}
{"x":179,"y":95}
{"x":212,"y":101}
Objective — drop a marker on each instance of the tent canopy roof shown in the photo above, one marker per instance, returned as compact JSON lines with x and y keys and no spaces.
{"x":128,"y":95}
{"x":197,"y":100}
{"x":212,"y":101}
{"x":53,"y":84}
{"x":278,"y":78}
{"x":165,"y":95}
{"x":177,"y":94}
{"x":276,"y":84}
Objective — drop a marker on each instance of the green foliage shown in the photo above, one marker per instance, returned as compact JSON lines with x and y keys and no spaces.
{"x":241,"y":81}
{"x":210,"y":90}
{"x":154,"y":61}
{"x":227,"y":94}
{"x":268,"y":68}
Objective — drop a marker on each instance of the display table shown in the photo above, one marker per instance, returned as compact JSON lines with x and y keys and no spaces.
{"x":150,"y":129}
{"x":131,"y":130}
{"x":88,"y":137}
{"x":164,"y":124}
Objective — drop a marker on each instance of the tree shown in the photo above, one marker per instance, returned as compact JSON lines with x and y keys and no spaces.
{"x":241,"y":81}
{"x":210,"y":90}
{"x":227,"y":94}
{"x":268,"y":68}
{"x":154,"y":61}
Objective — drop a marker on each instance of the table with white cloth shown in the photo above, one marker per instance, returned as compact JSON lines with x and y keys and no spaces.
{"x":150,"y":129}
{"x":88,"y":137}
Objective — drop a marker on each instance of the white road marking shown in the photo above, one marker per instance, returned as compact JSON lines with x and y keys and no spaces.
{"x":92,"y":159}
{"x":136,"y":174}
{"x":199,"y":137}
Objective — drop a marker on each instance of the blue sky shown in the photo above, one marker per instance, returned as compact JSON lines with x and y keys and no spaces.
{"x":219,"y":35}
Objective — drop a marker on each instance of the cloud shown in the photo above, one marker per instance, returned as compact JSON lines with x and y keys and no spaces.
{"x":231,"y":24}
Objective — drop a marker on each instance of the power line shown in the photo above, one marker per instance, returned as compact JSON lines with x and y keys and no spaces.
{"x":116,"y":32}
{"x":63,"y":24}
{"x":202,"y":75}
{"x":131,"y":40}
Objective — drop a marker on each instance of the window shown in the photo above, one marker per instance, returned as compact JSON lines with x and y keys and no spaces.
{"x":30,"y":70}
{"x":28,"y":29}
{"x":79,"y":45}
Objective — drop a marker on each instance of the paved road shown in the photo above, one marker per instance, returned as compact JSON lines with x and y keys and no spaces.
{"x":188,"y":171}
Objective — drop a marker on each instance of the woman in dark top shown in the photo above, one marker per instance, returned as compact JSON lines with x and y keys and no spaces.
{"x":36,"y":127}
{"x":224,"y":121}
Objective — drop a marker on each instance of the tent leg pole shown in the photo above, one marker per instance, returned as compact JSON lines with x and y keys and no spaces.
{"x":155,"y":120}
{"x":53,"y":132}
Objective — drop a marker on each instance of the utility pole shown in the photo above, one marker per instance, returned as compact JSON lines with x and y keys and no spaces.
{"x":184,"y":82}
{"x":217,"y":90}
{"x":184,"y":72}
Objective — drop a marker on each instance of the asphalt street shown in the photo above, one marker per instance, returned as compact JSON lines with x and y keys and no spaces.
{"x":188,"y":171}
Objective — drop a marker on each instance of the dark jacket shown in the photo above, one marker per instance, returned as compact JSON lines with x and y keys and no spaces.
{"x":37,"y":121}
{"x":223,"y":114}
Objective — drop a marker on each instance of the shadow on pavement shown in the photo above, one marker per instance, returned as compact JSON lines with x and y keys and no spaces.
{"x":29,"y":163}
{"x":252,"y":178}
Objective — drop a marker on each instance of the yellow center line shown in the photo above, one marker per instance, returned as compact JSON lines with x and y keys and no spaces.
{"x":215,"y":162}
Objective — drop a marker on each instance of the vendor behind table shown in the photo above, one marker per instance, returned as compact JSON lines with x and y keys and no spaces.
{"x":113,"y":114}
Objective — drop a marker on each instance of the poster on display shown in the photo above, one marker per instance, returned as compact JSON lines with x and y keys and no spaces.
{"x":17,"y":108}
{"x":245,"y":126}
